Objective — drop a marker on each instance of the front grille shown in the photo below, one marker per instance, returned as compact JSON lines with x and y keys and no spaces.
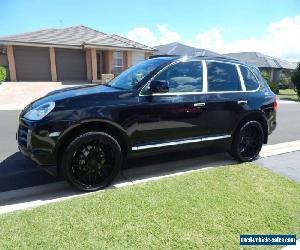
{"x":22,"y":136}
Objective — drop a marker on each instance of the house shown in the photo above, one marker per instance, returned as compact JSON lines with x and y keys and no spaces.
{"x":276,"y":68}
{"x":179,"y":49}
{"x":74,"y":53}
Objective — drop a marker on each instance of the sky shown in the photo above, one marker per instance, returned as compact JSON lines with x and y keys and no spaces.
{"x":267,"y":26}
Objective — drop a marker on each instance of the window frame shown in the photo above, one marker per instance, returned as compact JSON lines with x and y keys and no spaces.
{"x":204,"y":79}
{"x":142,"y":92}
{"x":238,"y":71}
{"x":255,"y":76}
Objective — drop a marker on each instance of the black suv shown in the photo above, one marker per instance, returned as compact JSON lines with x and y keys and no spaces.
{"x":161,"y":104}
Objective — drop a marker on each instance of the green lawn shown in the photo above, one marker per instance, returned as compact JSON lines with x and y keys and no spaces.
{"x":203,"y":210}
{"x":288,"y":94}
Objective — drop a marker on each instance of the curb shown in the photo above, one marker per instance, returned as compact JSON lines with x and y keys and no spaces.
{"x":33,"y":191}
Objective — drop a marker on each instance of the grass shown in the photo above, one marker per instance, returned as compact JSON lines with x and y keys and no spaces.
{"x":203,"y":210}
{"x":288,"y":94}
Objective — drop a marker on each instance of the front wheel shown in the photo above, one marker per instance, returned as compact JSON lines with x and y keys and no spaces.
{"x":91,"y":161}
{"x":247,"y":142}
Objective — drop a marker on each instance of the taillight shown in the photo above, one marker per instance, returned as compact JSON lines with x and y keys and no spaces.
{"x":275,"y":104}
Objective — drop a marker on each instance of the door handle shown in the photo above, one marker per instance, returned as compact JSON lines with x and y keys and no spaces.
{"x":242,"y":102}
{"x":199,"y":104}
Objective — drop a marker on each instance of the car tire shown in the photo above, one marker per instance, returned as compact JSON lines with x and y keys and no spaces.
{"x":91,"y":161}
{"x":247,"y":142}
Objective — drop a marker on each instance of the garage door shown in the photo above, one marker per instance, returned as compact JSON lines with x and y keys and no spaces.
{"x":70,"y":64}
{"x":32,"y":64}
{"x":137,"y":57}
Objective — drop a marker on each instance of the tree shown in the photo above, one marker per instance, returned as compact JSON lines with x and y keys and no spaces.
{"x":265,"y":74}
{"x":285,"y":79}
{"x":296,"y":79}
{"x":2,"y":74}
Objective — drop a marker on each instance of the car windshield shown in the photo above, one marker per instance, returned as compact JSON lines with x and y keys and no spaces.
{"x":128,"y":79}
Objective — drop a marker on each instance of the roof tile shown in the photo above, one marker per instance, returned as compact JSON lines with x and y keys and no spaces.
{"x":74,"y":36}
{"x":262,"y":61}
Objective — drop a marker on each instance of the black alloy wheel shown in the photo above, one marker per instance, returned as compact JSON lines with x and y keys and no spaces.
{"x":91,"y":161}
{"x":247,"y":142}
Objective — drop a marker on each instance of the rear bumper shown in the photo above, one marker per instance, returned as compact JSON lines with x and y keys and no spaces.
{"x":272,"y":122}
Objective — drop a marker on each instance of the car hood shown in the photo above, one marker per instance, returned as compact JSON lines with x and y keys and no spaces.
{"x":74,"y":92}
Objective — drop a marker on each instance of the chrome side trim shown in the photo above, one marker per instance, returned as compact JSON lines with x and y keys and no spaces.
{"x":201,"y":93}
{"x":174,"y":143}
{"x":204,"y":76}
{"x":204,"y":80}
{"x":241,"y":77}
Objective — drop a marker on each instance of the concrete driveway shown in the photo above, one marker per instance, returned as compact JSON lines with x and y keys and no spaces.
{"x":16,"y":95}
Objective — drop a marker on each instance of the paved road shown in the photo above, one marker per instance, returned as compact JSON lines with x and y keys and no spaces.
{"x":17,"y":172}
{"x":286,"y":164}
{"x":288,"y":124}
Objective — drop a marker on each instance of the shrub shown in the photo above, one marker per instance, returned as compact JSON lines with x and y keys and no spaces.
{"x":2,"y":74}
{"x":274,"y":87}
{"x":265,"y":75}
{"x":296,"y":79}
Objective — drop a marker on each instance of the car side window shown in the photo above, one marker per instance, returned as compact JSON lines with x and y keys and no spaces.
{"x":222,"y":77}
{"x":249,"y":79}
{"x":183,"y":77}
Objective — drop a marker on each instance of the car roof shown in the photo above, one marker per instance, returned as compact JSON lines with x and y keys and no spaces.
{"x":217,"y":58}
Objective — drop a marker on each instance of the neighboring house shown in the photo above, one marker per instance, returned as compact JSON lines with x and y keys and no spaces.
{"x":179,"y":49}
{"x":74,"y":53}
{"x":274,"y":66}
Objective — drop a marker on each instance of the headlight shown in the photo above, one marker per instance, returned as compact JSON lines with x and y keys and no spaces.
{"x":40,"y":112}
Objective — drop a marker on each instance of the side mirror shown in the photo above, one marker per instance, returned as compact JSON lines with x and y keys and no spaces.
{"x":159,"y":86}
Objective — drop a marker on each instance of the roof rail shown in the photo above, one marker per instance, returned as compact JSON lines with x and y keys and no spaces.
{"x":156,"y":56}
{"x":221,"y":57}
{"x":204,"y":57}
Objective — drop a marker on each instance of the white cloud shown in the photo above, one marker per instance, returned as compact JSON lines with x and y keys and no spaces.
{"x":143,"y":35}
{"x":166,"y":35}
{"x":146,"y":36}
{"x":281,"y":39}
{"x":210,"y":39}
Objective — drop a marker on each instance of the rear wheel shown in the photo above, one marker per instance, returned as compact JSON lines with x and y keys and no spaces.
{"x":247,"y":142}
{"x":91,"y":161}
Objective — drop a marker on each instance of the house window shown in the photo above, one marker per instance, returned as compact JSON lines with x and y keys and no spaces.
{"x":137,"y":57}
{"x":117,"y":62}
{"x":3,"y":50}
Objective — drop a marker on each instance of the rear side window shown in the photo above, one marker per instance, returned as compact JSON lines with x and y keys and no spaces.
{"x":249,"y":79}
{"x":183,"y":77}
{"x":222,"y":77}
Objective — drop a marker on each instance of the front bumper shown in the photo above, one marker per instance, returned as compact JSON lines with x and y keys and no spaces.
{"x":36,"y":147}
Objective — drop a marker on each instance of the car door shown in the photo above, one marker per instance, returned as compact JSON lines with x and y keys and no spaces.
{"x":175,"y":115}
{"x":224,"y":98}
